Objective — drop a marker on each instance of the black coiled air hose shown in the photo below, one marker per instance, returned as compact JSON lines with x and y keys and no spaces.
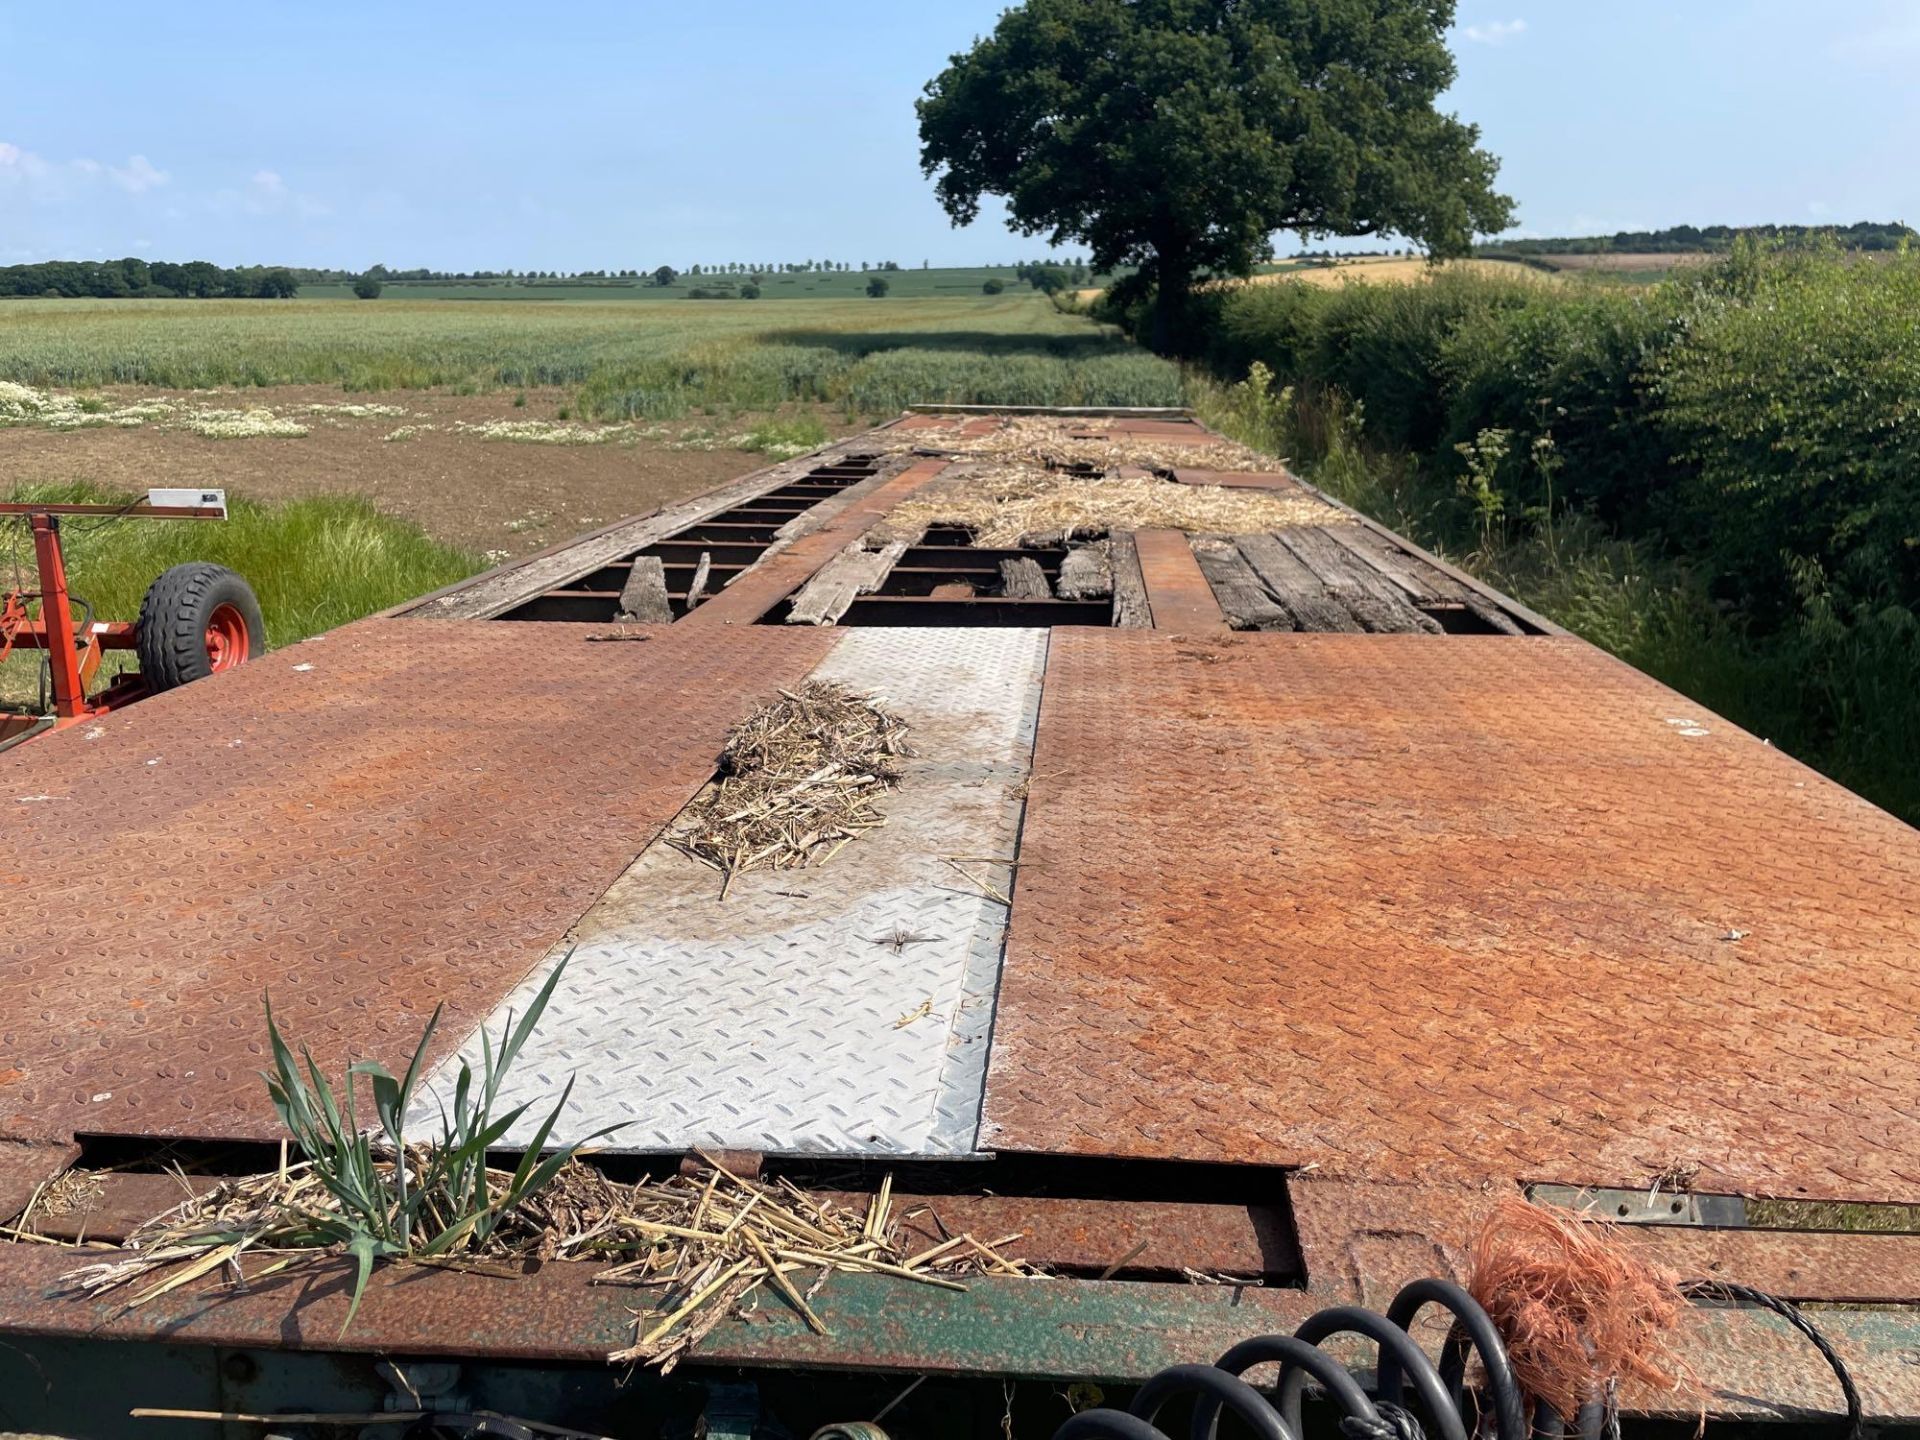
{"x":1441,"y":1391}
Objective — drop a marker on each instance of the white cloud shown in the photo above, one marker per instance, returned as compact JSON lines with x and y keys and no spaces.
{"x":16,"y":163}
{"x":266,"y":193}
{"x":1498,"y":32}
{"x":138,"y":175}
{"x":69,"y":177}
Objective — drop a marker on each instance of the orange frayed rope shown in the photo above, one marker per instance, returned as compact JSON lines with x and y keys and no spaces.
{"x":1579,"y":1313}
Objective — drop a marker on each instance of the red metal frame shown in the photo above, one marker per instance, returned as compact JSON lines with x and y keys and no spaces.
{"x":74,"y":658}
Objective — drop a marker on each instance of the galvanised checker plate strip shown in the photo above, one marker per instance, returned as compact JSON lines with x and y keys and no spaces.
{"x":391,"y":816}
{"x":1484,"y":907}
{"x":844,"y":1009}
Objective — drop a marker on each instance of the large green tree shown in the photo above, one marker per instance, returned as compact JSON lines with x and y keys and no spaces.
{"x":1179,"y":136}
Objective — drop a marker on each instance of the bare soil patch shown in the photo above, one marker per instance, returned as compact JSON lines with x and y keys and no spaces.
{"x":498,"y":498}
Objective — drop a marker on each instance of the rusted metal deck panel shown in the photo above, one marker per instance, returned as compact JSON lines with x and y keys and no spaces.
{"x":1177,"y":590}
{"x":1402,"y":907}
{"x":1053,"y":1329}
{"x":1083,"y":1235}
{"x":392,"y":816}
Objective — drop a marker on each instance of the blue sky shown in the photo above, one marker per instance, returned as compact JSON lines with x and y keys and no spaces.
{"x":607,"y":136}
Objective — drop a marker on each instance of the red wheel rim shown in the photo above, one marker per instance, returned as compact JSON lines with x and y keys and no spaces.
{"x":228,"y":640}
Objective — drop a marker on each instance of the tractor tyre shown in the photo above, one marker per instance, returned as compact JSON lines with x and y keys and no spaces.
{"x":197,"y":619}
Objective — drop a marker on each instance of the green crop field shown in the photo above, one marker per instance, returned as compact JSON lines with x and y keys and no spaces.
{"x":623,"y":361}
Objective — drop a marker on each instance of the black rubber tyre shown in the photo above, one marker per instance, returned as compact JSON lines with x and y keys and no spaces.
{"x":197,"y":618}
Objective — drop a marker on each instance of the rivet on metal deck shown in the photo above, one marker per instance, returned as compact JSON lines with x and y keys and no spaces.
{"x":1483,"y":907}
{"x":367,"y":824}
{"x":843,"y":1009}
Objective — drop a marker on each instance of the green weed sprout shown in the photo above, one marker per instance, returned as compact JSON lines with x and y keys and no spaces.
{"x":428,"y":1199}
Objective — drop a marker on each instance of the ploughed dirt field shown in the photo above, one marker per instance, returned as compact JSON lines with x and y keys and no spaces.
{"x":475,"y":471}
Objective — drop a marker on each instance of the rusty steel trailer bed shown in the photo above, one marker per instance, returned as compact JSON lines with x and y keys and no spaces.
{"x":1273,"y":901}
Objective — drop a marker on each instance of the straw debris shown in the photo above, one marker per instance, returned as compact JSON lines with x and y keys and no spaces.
{"x":706,"y":1242}
{"x":1048,"y":442}
{"x":71,"y":1192}
{"x":1004,"y":506}
{"x":800,"y":779}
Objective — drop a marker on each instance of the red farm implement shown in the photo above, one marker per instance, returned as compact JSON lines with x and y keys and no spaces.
{"x":196,"y":619}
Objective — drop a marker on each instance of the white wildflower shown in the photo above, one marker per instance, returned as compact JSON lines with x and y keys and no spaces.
{"x":358,"y":411}
{"x":543,"y":432}
{"x":246,"y":424}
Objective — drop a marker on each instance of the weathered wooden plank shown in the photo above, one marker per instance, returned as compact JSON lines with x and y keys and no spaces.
{"x":1130,"y":608}
{"x":1023,"y":579}
{"x":1423,"y":584}
{"x":1086,"y":573}
{"x":1374,"y":600}
{"x":697,"y":591}
{"x":643,"y":599}
{"x":501,"y":590}
{"x":1296,"y":587}
{"x":854,"y":572}
{"x":1243,"y":598}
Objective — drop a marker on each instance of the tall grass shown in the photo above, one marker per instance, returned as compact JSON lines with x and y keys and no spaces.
{"x":624,"y":361}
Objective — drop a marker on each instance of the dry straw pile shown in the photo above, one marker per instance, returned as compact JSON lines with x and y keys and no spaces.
{"x":1003,"y":506}
{"x":1050,"y":443}
{"x":705,"y":1242}
{"x":1053,"y":442}
{"x":800,"y":779}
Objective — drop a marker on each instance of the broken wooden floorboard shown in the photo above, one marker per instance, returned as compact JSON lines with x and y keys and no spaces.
{"x":854,"y":572}
{"x":643,"y":600}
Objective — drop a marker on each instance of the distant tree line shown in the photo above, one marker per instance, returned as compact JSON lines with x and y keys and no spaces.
{"x":1710,"y":239}
{"x":200,"y":279}
{"x":144,"y":279}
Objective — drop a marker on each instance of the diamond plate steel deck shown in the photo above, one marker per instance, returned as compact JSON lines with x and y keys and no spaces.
{"x":390,"y":816}
{"x":1481,"y":907}
{"x":843,"y":1009}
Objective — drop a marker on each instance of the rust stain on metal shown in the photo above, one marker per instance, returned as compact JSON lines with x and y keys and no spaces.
{"x":1361,"y":1241}
{"x":1091,"y":1235}
{"x":395,"y":815}
{"x":1483,"y":907}
{"x":755,"y":592}
{"x":1825,"y":1266}
{"x":1177,"y":590}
